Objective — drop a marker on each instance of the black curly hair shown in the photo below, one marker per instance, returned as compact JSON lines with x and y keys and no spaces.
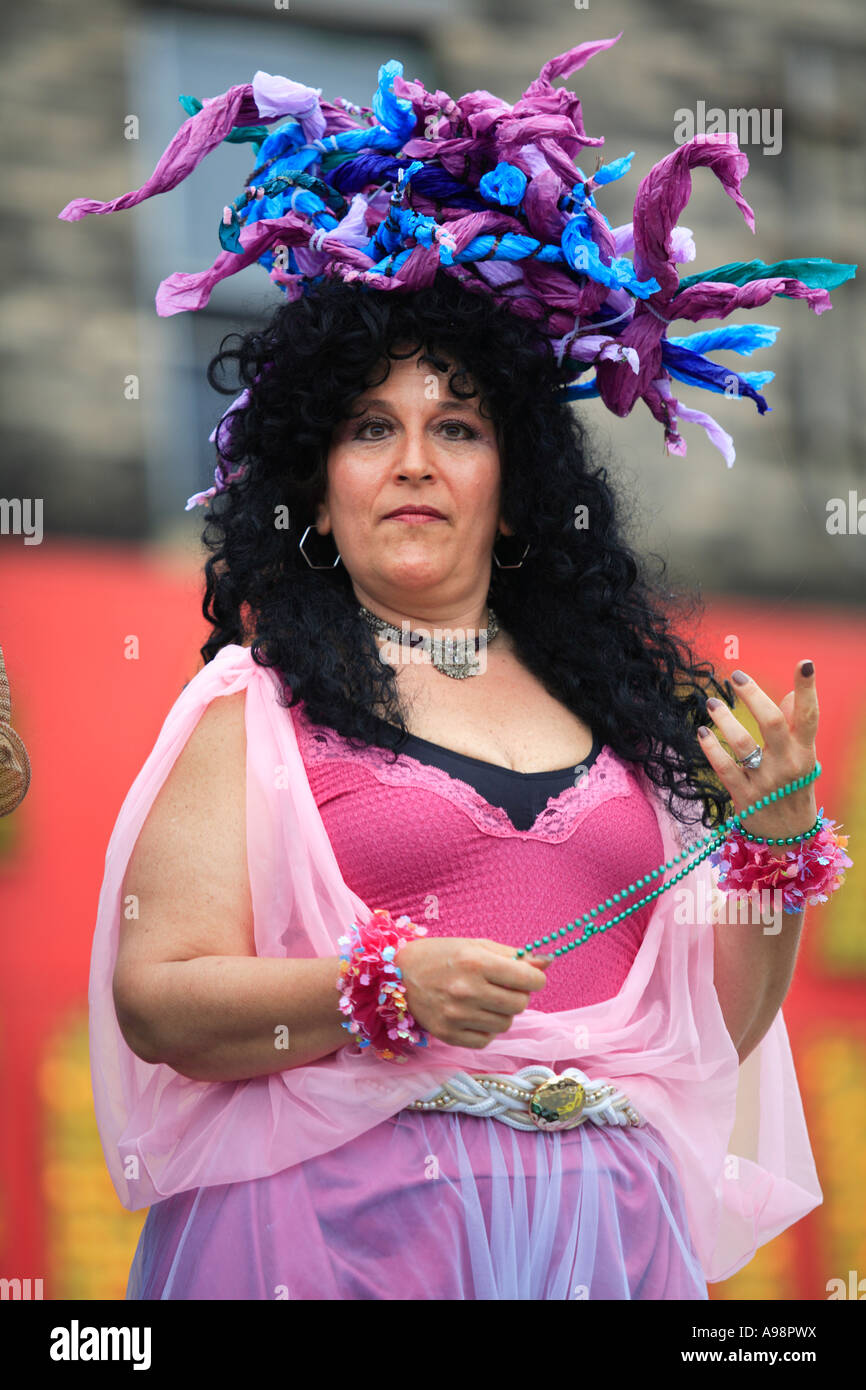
{"x":582,"y":616}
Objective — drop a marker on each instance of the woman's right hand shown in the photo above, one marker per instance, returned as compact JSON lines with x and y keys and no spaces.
{"x":466,"y":991}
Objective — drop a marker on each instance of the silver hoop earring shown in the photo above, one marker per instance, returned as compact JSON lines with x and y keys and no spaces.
{"x":307,"y":558}
{"x":509,"y":567}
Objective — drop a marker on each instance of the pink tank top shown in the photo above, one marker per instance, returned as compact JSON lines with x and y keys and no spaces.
{"x":412,"y":838}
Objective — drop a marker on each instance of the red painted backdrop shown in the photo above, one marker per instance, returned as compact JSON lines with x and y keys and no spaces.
{"x":89,"y":717}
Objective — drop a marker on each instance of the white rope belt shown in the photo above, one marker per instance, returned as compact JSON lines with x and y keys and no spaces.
{"x":533,"y":1098}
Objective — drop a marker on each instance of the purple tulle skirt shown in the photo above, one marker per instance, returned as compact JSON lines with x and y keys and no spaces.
{"x":435,"y":1207}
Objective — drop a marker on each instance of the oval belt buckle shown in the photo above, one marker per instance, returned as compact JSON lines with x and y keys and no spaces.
{"x":557,"y":1103}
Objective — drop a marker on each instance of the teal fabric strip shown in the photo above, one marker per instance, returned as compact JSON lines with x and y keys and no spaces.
{"x":815,"y":271}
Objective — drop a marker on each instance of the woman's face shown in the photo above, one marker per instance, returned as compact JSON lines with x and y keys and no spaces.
{"x":410,"y":442}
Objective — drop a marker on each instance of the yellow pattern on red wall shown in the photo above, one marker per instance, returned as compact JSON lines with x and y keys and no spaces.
{"x":832,"y":1067}
{"x":843,"y":940}
{"x":91,"y":1238}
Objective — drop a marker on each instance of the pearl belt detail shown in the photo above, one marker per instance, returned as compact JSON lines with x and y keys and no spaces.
{"x":533,"y":1098}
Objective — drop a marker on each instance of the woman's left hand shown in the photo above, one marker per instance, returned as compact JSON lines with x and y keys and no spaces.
{"x":787,"y":734}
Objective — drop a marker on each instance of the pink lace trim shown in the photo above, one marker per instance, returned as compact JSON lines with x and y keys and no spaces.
{"x":609,"y":776}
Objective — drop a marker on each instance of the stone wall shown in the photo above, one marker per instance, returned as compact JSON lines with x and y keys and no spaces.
{"x":78,"y":318}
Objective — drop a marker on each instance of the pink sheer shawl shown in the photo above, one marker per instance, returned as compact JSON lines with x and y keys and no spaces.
{"x":737,"y":1132}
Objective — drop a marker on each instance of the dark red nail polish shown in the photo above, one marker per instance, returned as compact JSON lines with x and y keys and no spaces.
{"x":807,"y":669}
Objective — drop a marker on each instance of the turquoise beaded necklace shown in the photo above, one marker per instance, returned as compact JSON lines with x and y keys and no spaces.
{"x":706,"y":844}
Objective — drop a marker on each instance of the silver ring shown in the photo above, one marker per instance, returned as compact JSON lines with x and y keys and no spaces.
{"x":753,"y":759}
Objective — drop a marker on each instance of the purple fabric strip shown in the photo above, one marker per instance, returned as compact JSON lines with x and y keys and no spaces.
{"x":571,"y":61}
{"x":716,"y":299}
{"x":717,"y":436}
{"x":198,"y":135}
{"x":661,"y":197}
{"x":280,"y":96}
{"x":266,"y":98}
{"x":182,"y":291}
{"x":665,"y":191}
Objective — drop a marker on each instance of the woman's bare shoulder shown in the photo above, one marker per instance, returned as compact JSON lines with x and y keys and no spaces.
{"x":188,"y":868}
{"x":216,"y":747}
{"x":207,"y":778}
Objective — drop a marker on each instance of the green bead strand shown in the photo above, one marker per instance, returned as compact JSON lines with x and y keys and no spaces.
{"x":782,"y":840}
{"x":700,"y":848}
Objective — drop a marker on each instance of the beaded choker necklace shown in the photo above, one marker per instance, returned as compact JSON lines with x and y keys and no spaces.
{"x":701,"y":848}
{"x":454,"y":657}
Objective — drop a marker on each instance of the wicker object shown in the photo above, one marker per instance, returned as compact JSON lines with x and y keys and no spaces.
{"x":14,"y":762}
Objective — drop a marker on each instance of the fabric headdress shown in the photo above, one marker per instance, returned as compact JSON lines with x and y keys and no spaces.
{"x":493,"y":194}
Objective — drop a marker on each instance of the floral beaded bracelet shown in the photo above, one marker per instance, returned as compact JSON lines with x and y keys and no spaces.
{"x":372,"y":995}
{"x":805,"y":874}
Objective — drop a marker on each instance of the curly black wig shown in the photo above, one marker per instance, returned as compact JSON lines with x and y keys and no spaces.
{"x":582,"y":615}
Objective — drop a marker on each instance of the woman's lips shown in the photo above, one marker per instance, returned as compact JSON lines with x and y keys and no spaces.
{"x":414,"y":517}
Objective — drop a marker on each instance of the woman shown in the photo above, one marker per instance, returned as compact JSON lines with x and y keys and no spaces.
{"x":440,"y":400}
{"x":466,"y":727}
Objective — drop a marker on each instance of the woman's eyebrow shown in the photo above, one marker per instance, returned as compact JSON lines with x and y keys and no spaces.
{"x":379,"y":403}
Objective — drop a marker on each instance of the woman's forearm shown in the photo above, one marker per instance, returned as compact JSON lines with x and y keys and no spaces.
{"x":227,"y":1018}
{"x":754,"y":962}
{"x":754,"y":966}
